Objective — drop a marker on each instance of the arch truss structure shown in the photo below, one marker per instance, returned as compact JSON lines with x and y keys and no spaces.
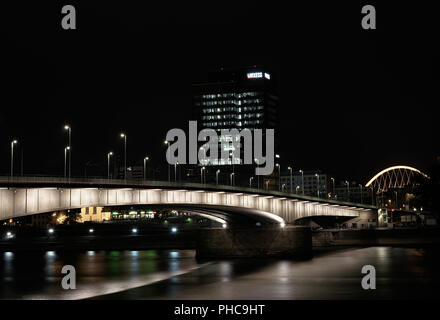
{"x":395,"y":177}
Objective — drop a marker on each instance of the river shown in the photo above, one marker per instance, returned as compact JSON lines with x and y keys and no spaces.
{"x":402,"y":273}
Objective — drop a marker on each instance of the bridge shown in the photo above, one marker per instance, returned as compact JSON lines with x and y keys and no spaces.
{"x":23,"y":196}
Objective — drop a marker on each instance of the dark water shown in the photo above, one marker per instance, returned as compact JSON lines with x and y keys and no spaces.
{"x":402,"y":273}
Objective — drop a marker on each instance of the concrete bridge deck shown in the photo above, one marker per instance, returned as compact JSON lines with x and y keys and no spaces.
{"x":22,"y":196}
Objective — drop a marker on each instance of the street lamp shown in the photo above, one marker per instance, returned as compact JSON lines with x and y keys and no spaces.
{"x":317,"y":176}
{"x":279,"y":176}
{"x":13,"y":142}
{"x":124,"y":136}
{"x":302,"y":181}
{"x":232,"y":178}
{"x":66,"y":149}
{"x":348,"y":190}
{"x":291,"y":185}
{"x":297,"y":187}
{"x":333,"y":182}
{"x":258,"y":176}
{"x":216,"y":176}
{"x":69,"y":130}
{"x":203,"y":160}
{"x":169,"y":170}
{"x":202,"y":169}
{"x":250,"y":181}
{"x":175,"y":171}
{"x":231,"y":154}
{"x":108,"y":164}
{"x":145,"y":167}
{"x":361,"y":193}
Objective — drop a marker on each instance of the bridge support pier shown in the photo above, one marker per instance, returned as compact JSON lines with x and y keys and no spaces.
{"x":288,"y":242}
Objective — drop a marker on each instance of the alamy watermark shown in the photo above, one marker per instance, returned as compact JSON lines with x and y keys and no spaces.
{"x":69,"y":280}
{"x":369,"y":280}
{"x":229,"y":141}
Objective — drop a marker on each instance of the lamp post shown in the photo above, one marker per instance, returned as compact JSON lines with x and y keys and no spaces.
{"x":333,"y":190}
{"x":69,"y":130}
{"x":108,"y":164}
{"x":291,"y":183}
{"x":13,"y":142}
{"x":203,"y":159}
{"x":302,"y":181}
{"x":361,"y":194}
{"x":348,"y":190}
{"x":216,"y":176}
{"x":232,"y":178}
{"x":233,"y":167}
{"x":169,"y":170}
{"x":124,"y":136}
{"x":175,"y":171}
{"x":145,"y":167}
{"x":279,"y":176}
{"x":372,"y":195}
{"x":202,"y":169}
{"x":258,"y":176}
{"x":317,"y":176}
{"x":250,"y":181}
{"x":66,"y":149}
{"x":297,"y":187}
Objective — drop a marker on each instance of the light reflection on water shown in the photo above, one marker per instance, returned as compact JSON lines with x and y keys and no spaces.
{"x":38,"y":275}
{"x":175,"y":274}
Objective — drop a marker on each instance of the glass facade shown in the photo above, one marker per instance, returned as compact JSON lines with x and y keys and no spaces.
{"x":236,"y":99}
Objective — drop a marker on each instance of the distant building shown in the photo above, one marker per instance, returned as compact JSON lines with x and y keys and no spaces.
{"x":352,"y":193}
{"x":236,"y":98}
{"x":133,"y":173}
{"x":314,"y":183}
{"x":96,"y":214}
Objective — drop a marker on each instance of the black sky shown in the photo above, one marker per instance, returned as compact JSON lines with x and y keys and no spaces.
{"x":352,"y":101}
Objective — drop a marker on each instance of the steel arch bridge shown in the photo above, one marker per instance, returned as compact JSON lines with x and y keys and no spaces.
{"x":395,"y":177}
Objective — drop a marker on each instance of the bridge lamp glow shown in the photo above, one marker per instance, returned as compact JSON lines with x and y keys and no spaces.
{"x":173,"y":229}
{"x":282,"y":224}
{"x":134,"y":230}
{"x":224,"y":225}
{"x":51,"y":230}
{"x":91,"y":230}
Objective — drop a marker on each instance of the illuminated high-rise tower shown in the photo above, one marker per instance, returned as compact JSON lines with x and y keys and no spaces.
{"x":237,"y":98}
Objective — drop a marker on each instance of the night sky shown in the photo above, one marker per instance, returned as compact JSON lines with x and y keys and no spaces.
{"x":352,"y":101}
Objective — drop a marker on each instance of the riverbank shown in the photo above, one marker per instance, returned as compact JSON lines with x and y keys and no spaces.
{"x":81,"y":243}
{"x":323,"y":240}
{"x":375,"y":237}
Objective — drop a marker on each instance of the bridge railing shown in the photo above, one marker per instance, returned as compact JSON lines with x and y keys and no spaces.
{"x":21,"y":181}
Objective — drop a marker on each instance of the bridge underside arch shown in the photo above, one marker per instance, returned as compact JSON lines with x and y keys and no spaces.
{"x":222,"y":214}
{"x":18,"y":202}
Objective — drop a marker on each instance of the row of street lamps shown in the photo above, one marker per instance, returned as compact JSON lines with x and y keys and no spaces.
{"x":68,"y":169}
{"x":67,"y":149}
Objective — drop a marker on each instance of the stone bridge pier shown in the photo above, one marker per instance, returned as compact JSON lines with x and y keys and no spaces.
{"x":288,"y":242}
